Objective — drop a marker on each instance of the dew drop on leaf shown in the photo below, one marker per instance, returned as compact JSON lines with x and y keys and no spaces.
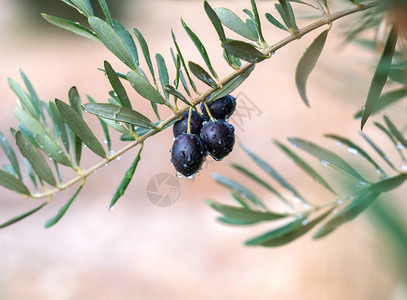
{"x":305,"y":222}
{"x":353,"y":151}
{"x":111,"y":208}
{"x":325,"y":163}
{"x":400,"y":146}
{"x":297,"y":199}
{"x":404,"y":167}
{"x":178,"y":174}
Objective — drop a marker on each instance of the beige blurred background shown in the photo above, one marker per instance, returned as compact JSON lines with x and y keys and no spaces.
{"x":141,"y":251}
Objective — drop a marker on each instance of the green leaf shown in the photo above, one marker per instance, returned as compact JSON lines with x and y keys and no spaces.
{"x":272,"y":172}
{"x":117,"y":85}
{"x":215,"y":21}
{"x":112,"y":41}
{"x":35,"y":159}
{"x":59,"y":124}
{"x":244,"y":51}
{"x":63,"y":210}
{"x":12,"y":183}
{"x":231,"y":85}
{"x":275,"y":22}
{"x":80,"y":128}
{"x":116,"y":126}
{"x":238,"y":188}
{"x":30,"y":123}
{"x":107,"y":141}
{"x":52,"y":149}
{"x":305,"y":3}
{"x":106,"y":11}
{"x":385,"y":100}
{"x":34,"y":96}
{"x":380,"y":76}
{"x":71,"y":26}
{"x":30,"y":172}
{"x":327,"y":157}
{"x":283,"y":15}
{"x":260,"y":181}
{"x":378,"y":150}
{"x":235,"y":222}
{"x":126,"y":180}
{"x":118,"y":114}
{"x":22,"y":216}
{"x":202,"y":75}
{"x":163,"y":73}
{"x":286,"y":234}
{"x":24,"y":98}
{"x":146,"y":51}
{"x":144,"y":88}
{"x":353,"y":148}
{"x":290,"y":15}
{"x":75,"y":100}
{"x":128,"y":41}
{"x":252,"y":26}
{"x":173,"y":91}
{"x":257,"y":20}
{"x":200,"y":47}
{"x":348,"y":213}
{"x":307,"y":64}
{"x":393,"y":129}
{"x":191,"y":82}
{"x":306,"y":167}
{"x":11,"y":155}
{"x":234,"y":23}
{"x":84,"y":6}
{"x":388,"y":184}
{"x":392,"y":139}
{"x":244,"y":214}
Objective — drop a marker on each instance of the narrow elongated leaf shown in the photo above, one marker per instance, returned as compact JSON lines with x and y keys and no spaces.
{"x":392,"y":139}
{"x":275,"y":22}
{"x":284,"y":235}
{"x":163,"y":73}
{"x":105,"y":128}
{"x":22,"y":216}
{"x":112,"y":41}
{"x":290,"y":14}
{"x":118,"y":114}
{"x":257,"y":20}
{"x":283,"y":15}
{"x":327,"y":157}
{"x":117,"y":85}
{"x":305,"y":3}
{"x":235,"y":222}
{"x":231,"y":85}
{"x":353,"y":148}
{"x":35,"y":159}
{"x":126,"y":179}
{"x":260,"y":181}
{"x":380,"y":76}
{"x":146,"y":51}
{"x":307,"y":64}
{"x":34,"y":96}
{"x":63,"y":210}
{"x":396,"y":133}
{"x":24,"y":98}
{"x":116,"y":126}
{"x":306,"y":167}
{"x":200,"y":47}
{"x":191,"y":82}
{"x":252,"y":26}
{"x":388,"y":184}
{"x":144,"y":88}
{"x":84,"y":6}
{"x":244,"y":51}
{"x":59,"y":124}
{"x":75,"y":100}
{"x":80,"y":128}
{"x":348,"y":213}
{"x":30,"y":172}
{"x":244,"y":214}
{"x":29,"y":122}
{"x":272,"y":172}
{"x":52,"y":149}
{"x":173,"y":91}
{"x":234,"y":23}
{"x":378,"y":150}
{"x":202,"y":75}
{"x":106,"y":11}
{"x":71,"y":26}
{"x":12,"y":183}
{"x":215,"y":21}
{"x":238,"y":188}
{"x":385,"y":100}
{"x":11,"y":155}
{"x":128,"y":41}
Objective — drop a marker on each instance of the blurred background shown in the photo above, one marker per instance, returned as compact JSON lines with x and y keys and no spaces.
{"x":142,"y":251}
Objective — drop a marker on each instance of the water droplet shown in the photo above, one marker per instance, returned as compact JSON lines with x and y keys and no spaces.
{"x":305,"y":222}
{"x":111,"y":208}
{"x":214,"y":136}
{"x":294,"y":145}
{"x":340,"y":144}
{"x":400,"y":146}
{"x":118,"y":158}
{"x":105,"y":164}
{"x":404,"y":167}
{"x":297,"y":199}
{"x":221,"y":141}
{"x":111,"y":153}
{"x":189,"y":159}
{"x":218,"y":159}
{"x":178,"y":174}
{"x":378,"y":171}
{"x":335,"y":211}
{"x":171,"y":150}
{"x":353,"y":151}
{"x":339,"y":201}
{"x":94,"y":171}
{"x":182,"y":154}
{"x":325,"y":163}
{"x":191,"y":176}
{"x":363,"y":108}
{"x":59,"y":151}
{"x":362,"y":183}
{"x":105,"y":141}
{"x":185,"y":165}
{"x":307,"y":205}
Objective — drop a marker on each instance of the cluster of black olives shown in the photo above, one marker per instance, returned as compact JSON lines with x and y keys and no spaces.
{"x":209,"y":134}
